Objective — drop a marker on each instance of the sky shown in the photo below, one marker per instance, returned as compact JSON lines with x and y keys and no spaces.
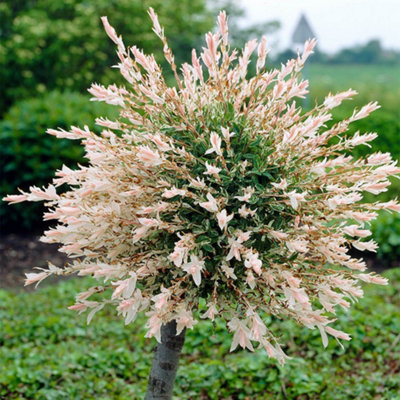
{"x":336,"y":23}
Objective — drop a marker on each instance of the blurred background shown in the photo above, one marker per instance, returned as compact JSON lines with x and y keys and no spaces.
{"x":52,"y":50}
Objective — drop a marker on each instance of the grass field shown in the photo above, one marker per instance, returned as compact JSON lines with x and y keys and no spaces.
{"x":373,"y":82}
{"x":48,"y":352}
{"x":343,"y":76}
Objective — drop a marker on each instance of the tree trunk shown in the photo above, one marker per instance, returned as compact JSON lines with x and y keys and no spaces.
{"x":165,"y":363}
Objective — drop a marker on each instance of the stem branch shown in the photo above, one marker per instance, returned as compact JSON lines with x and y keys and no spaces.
{"x":165,"y":363}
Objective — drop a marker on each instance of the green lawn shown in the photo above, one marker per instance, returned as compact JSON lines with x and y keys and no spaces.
{"x":355,"y":75}
{"x":48,"y":352}
{"x":372,"y":82}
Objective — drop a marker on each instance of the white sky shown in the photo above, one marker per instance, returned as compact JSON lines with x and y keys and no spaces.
{"x":336,"y":23}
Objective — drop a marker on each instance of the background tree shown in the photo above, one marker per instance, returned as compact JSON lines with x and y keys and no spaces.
{"x":370,"y":53}
{"x":47,"y":44}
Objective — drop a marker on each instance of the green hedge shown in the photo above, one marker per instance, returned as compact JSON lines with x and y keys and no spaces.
{"x":386,"y":228}
{"x":385,"y":123}
{"x":29,"y":156}
{"x":386,"y":231}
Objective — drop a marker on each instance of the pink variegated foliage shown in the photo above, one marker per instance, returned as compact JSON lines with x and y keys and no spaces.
{"x":221,"y":188}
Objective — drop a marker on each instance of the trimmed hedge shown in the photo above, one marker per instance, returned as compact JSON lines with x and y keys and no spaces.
{"x":386,"y":231}
{"x":386,"y":228}
{"x":29,"y":156}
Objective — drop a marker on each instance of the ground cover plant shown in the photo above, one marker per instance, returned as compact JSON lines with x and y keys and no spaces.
{"x":220,"y":191}
{"x":46,"y":354}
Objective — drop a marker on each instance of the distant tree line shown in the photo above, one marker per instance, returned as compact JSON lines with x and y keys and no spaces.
{"x":370,"y":53}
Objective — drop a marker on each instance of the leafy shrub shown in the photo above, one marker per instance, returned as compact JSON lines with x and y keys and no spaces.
{"x":194,"y":204}
{"x":29,"y":156}
{"x":386,"y":123}
{"x":386,"y":232}
{"x":386,"y":228}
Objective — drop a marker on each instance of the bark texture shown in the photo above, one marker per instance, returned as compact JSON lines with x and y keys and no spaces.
{"x":165,"y":363}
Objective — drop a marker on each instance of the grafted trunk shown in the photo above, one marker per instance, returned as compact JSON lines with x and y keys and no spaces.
{"x":165,"y":363}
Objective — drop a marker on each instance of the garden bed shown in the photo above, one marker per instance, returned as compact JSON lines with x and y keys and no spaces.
{"x":19,"y":254}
